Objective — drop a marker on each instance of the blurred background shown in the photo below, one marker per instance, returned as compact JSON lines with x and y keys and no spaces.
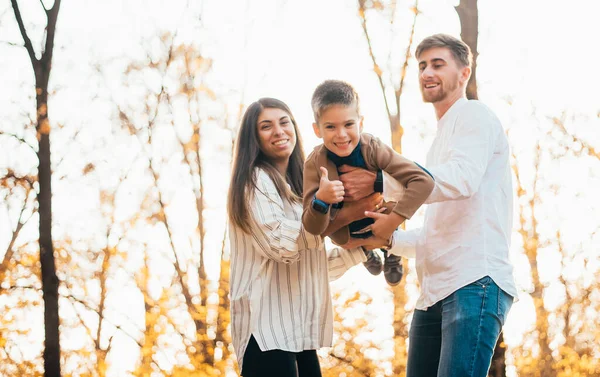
{"x":117,"y":121}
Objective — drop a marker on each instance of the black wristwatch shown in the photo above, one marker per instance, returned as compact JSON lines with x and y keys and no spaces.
{"x":378,"y":185}
{"x":320,"y":206}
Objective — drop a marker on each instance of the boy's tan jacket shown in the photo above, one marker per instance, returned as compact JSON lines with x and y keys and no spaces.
{"x":377,"y":155}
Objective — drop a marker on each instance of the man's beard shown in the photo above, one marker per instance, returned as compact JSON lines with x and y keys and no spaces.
{"x":439,"y":95}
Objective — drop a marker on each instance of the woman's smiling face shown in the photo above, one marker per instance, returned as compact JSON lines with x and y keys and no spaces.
{"x":276,"y":134}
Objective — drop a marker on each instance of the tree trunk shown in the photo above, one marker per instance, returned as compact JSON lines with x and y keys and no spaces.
{"x":49,"y":278}
{"x":42,"y":68}
{"x":469,"y":23}
{"x":498,"y":367}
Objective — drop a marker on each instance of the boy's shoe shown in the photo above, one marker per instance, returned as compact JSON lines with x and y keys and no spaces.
{"x":392,"y":268}
{"x":373,"y":263}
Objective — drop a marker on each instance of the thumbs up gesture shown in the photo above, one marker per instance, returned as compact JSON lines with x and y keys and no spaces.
{"x":329,"y":191}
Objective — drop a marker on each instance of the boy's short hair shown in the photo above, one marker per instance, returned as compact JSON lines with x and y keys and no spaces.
{"x":333,"y":92}
{"x":459,"y":49}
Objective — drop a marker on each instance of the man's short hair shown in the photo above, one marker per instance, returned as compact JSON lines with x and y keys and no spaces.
{"x":459,"y":49}
{"x":333,"y":92}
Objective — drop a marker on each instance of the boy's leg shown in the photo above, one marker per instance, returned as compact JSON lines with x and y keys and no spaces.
{"x":275,"y":363}
{"x":425,"y":339}
{"x":472,"y":318}
{"x":392,"y":268}
{"x":373,"y":263}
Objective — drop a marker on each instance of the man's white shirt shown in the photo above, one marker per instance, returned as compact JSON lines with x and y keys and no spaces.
{"x":467,"y":228}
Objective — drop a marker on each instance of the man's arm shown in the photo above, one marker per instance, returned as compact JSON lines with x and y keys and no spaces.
{"x":470,"y":149}
{"x":404,"y":242}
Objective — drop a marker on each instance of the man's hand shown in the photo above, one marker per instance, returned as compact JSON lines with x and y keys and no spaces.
{"x":329,"y":191}
{"x":353,"y":211}
{"x":358,"y":182}
{"x":356,"y":210}
{"x":384,"y":225}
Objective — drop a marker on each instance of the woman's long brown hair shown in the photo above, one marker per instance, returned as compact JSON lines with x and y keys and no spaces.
{"x":248,"y":156}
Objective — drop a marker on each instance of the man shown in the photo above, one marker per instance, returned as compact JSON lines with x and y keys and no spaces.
{"x":462,"y":249}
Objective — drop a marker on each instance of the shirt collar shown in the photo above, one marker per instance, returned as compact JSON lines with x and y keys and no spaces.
{"x":452,"y":111}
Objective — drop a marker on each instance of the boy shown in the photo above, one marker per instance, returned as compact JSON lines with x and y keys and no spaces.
{"x":338,"y":122}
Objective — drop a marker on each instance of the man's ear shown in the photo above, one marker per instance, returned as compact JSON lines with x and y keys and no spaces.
{"x":465,"y":74}
{"x":317,"y":130}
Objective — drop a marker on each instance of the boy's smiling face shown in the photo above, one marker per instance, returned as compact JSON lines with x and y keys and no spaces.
{"x":339,"y":126}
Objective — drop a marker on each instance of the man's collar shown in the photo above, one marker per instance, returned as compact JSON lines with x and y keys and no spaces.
{"x":452,"y":110}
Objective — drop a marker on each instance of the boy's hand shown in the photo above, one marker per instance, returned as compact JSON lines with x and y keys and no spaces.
{"x":384,"y":225}
{"x":329,"y":191}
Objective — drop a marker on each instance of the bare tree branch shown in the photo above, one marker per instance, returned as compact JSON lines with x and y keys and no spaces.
{"x":376,"y":68}
{"x":28,"y":44}
{"x":24,"y":287}
{"x":363,"y":372}
{"x":198,"y":322}
{"x":9,"y":250}
{"x":12,"y":44}
{"x":52,"y":15}
{"x":20,"y":139}
{"x":88,"y":330}
{"x":407,"y":55}
{"x":560,"y":124}
{"x":91,"y":308}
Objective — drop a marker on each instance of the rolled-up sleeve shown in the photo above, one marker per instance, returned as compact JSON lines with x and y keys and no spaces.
{"x":341,"y":260}
{"x":404,"y":242}
{"x":274,"y":235}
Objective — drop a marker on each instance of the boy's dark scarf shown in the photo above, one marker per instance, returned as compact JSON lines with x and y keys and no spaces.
{"x":355,"y":159}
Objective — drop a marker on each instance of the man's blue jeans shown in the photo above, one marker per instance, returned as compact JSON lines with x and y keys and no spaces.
{"x":456,"y":336}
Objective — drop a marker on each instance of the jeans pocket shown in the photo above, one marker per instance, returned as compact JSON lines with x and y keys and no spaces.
{"x":483,"y":282}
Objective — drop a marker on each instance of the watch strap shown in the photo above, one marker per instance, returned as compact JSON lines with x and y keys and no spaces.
{"x":378,"y":185}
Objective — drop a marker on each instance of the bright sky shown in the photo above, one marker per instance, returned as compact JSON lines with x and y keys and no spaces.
{"x":540,"y":54}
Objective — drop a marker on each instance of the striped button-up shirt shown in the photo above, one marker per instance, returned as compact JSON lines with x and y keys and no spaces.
{"x":280,"y":277}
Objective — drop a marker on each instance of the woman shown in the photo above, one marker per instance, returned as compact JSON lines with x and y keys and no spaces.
{"x":280,"y":300}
